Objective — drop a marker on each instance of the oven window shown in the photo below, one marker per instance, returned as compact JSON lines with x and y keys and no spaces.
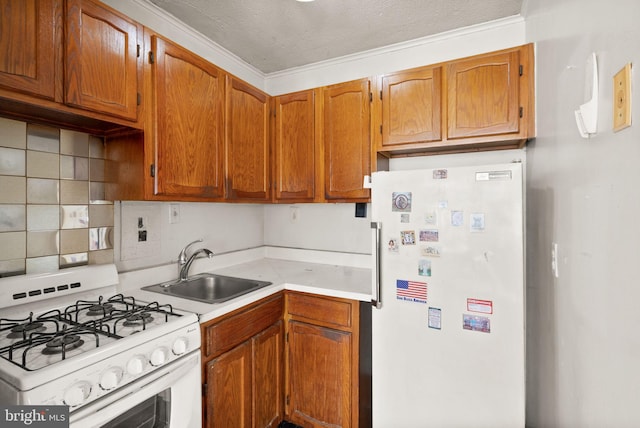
{"x":151,"y":413}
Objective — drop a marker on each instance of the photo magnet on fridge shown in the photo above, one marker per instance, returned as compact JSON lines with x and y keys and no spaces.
{"x":476,"y":323}
{"x":405,"y":218}
{"x":393,"y":246}
{"x":435,"y":318}
{"x":457,"y":218}
{"x":429,"y":235}
{"x":401,"y":201}
{"x":477,"y":222}
{"x":430,"y":251}
{"x":424,"y":267}
{"x":408,"y":237}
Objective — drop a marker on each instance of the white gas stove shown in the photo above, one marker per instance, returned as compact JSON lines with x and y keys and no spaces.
{"x":69,"y":338}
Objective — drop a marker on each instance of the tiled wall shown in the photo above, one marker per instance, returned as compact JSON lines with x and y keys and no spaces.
{"x":52,"y":208}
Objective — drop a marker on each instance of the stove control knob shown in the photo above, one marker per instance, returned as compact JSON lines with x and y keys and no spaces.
{"x":179,"y":346}
{"x":110,"y":378}
{"x":136,"y":365}
{"x":159,"y":356}
{"x":77,"y":394}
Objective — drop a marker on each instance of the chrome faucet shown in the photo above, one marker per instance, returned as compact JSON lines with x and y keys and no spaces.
{"x":185,"y":262}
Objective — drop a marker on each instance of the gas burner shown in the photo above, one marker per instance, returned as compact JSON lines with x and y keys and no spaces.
{"x":139,"y":319}
{"x":21,"y":331}
{"x":62,"y":344}
{"x":100,"y":309}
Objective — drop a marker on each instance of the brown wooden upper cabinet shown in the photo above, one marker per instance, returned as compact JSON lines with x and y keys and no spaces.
{"x":102,"y":59}
{"x":346,"y":140}
{"x":247,"y":142}
{"x":483,"y":95}
{"x":185,"y":126}
{"x":484,"y":102}
{"x":411,"y":106}
{"x":294,"y":146}
{"x":31,"y":32}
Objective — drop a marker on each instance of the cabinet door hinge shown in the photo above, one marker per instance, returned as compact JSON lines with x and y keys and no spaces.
{"x":521,"y":70}
{"x":521,"y":111}
{"x":137,"y":51}
{"x":381,"y":95}
{"x":152,"y":57}
{"x":153,"y":170}
{"x":380,"y":129}
{"x":287,"y":400}
{"x":138,"y":98}
{"x":204,"y":389}
{"x":370,"y":97}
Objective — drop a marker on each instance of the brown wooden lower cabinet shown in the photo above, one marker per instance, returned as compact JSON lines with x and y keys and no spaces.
{"x":292,"y":356}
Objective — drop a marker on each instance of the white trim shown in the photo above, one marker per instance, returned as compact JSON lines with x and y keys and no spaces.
{"x":157,"y":19}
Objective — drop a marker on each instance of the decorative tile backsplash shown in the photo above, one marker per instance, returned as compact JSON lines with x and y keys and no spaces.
{"x":53,"y":212}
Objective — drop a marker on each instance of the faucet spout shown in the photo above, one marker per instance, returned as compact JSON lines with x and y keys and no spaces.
{"x":184,"y":270}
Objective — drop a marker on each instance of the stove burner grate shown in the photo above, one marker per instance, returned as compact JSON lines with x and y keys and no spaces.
{"x":140,"y":319}
{"x":21,"y":331}
{"x":100,"y":309}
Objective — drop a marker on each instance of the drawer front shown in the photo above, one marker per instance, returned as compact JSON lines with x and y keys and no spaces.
{"x":324,"y":310}
{"x":231,"y":330}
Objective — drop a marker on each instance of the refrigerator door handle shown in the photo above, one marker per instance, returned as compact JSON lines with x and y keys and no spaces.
{"x":376,"y":230}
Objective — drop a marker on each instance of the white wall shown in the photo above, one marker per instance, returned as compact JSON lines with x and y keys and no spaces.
{"x":332,"y":227}
{"x":223,"y":227}
{"x":583,"y":343}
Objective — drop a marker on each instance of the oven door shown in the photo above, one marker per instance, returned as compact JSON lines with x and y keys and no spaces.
{"x":169,"y":397}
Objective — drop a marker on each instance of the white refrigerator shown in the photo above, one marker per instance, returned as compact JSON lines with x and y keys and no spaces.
{"x":448,"y":323}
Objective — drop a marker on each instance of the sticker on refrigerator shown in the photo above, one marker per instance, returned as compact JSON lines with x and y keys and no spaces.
{"x":435,"y":318}
{"x":443,"y":204}
{"x":401,"y":201}
{"x":431,"y":217}
{"x":430,"y":235}
{"x":482,"y":306}
{"x":424,"y":267}
{"x":439,"y":174}
{"x":457,"y":218}
{"x":476,"y":323}
{"x":477,"y":222}
{"x":411,"y":291}
{"x":393,"y":245}
{"x":408,"y":237}
{"x":430,"y":251}
{"x":493,"y":175}
{"x":405,"y":218}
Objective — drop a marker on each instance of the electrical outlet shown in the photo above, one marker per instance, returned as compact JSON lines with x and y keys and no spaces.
{"x":622,"y":98}
{"x":294,"y":214}
{"x":174,"y":213}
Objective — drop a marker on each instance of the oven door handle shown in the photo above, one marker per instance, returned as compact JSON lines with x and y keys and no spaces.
{"x":183,"y":372}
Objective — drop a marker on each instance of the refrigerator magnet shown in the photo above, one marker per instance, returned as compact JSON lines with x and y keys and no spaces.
{"x":430,"y":251}
{"x":435,"y":318}
{"x":405,"y":218}
{"x":477,"y":222}
{"x":424,"y":267}
{"x":393,"y":245}
{"x":482,"y":306}
{"x":439,"y":174}
{"x":457,"y":218}
{"x":401,"y":201}
{"x":431,"y":217}
{"x":411,"y":291}
{"x":476,"y":323}
{"x":408,"y":237}
{"x":430,"y":235}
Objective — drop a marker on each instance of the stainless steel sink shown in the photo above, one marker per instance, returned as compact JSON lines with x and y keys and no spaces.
{"x":208,"y":287}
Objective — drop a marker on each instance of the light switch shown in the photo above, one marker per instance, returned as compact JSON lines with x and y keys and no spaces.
{"x":622,"y":98}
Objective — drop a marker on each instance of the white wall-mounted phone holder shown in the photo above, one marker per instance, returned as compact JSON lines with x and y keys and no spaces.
{"x":587,"y":113}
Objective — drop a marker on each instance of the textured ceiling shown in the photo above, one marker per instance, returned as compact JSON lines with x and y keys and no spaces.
{"x":275,"y":35}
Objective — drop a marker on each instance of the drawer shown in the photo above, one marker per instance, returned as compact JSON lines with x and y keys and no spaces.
{"x":325,"y":310}
{"x":230,"y":330}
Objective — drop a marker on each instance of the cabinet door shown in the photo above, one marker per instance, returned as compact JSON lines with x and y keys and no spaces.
{"x":29,"y":36}
{"x":411,"y":107}
{"x":319,"y":382}
{"x":294,"y":147}
{"x":229,"y":389}
{"x":189,"y":93}
{"x":268,"y":379}
{"x":247,"y":142}
{"x":101,"y":59}
{"x":346,"y":139}
{"x":483,"y":95}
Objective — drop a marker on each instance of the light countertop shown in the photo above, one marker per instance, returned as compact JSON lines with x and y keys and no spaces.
{"x":329,"y":279}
